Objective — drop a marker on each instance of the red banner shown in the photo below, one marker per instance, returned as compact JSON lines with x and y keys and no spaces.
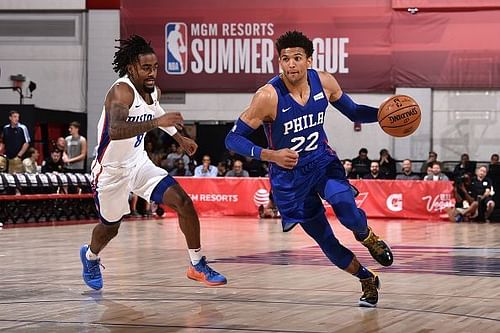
{"x":214,"y":197}
{"x":228,"y":46}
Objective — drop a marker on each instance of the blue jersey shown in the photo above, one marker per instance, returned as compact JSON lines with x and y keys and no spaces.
{"x":318,"y":172}
{"x":298,"y":127}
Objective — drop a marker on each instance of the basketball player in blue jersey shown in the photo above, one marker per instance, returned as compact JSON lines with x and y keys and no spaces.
{"x":122,"y":166}
{"x":303,"y":168}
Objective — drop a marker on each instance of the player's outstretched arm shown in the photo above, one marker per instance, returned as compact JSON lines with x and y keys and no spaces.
{"x":118,"y":102}
{"x":262,"y":108}
{"x":342,"y":102}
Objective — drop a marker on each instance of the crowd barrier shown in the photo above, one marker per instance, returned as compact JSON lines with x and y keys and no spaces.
{"x":38,"y":197}
{"x":214,"y":197}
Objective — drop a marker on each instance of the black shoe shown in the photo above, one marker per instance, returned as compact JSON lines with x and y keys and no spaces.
{"x":370,"y":287}
{"x":379,"y":250}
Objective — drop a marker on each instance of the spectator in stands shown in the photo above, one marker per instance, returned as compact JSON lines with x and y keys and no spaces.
{"x":347,"y":163}
{"x":60,"y":144}
{"x":436,"y":172}
{"x":229,"y":158}
{"x":465,"y":166}
{"x":221,"y":169}
{"x":54,"y":162}
{"x":75,"y":149}
{"x":466,"y":205}
{"x":152,"y":154}
{"x":407,"y":174}
{"x":387,"y":164}
{"x":205,"y":169}
{"x":494,"y":171}
{"x":254,"y":167}
{"x":180,"y":169}
{"x":173,"y":156}
{"x":237,"y":170}
{"x":431,"y":159}
{"x":16,"y":138}
{"x":30,"y":162}
{"x":483,"y":187}
{"x":361,"y":164}
{"x":374,"y":171}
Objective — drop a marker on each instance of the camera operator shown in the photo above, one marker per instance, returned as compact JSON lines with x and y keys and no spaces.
{"x":466,"y":206}
{"x":483,"y":187}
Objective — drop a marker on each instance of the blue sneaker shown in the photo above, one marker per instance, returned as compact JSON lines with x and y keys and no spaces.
{"x":91,"y":271}
{"x":203,"y":273}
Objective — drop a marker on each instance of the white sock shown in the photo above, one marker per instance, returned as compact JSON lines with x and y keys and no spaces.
{"x":91,"y":255}
{"x":195,"y":255}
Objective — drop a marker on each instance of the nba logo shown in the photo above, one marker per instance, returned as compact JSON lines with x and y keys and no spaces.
{"x":175,"y":48}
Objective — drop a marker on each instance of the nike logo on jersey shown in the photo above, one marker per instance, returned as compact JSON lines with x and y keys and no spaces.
{"x":138,"y":106}
{"x":285,"y":110}
{"x":318,"y":96}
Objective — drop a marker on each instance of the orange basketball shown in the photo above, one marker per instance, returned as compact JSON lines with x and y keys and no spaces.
{"x":399,"y":115}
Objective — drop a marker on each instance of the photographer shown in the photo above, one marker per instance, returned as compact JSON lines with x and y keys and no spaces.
{"x":466,"y":206}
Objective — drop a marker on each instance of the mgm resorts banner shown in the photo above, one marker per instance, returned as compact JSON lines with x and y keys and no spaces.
{"x":399,"y":199}
{"x":229,"y":46}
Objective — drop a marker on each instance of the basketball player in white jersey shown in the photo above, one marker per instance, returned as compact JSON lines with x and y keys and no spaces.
{"x":122,"y":166}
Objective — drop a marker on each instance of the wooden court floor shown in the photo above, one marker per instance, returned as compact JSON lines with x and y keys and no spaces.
{"x":446,"y":278}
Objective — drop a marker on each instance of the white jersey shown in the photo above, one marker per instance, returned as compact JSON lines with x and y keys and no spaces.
{"x":126,"y":152}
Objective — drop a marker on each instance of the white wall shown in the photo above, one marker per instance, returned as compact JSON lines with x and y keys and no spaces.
{"x":103,"y":29}
{"x":57,"y":65}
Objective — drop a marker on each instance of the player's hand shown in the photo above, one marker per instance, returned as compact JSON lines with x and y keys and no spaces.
{"x":170,"y":119}
{"x":188,"y":145}
{"x":286,"y":158}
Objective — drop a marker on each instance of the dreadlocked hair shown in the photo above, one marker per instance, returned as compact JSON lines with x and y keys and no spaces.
{"x":129,"y":51}
{"x":294,"y":39}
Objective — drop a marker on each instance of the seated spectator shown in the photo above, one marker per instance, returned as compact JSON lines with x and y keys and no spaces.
{"x":221,"y":169}
{"x":229,"y":158}
{"x":168,"y":163}
{"x":237,"y":170}
{"x":431,"y":159}
{"x":465,"y":166}
{"x":407,"y":174}
{"x":270,"y":210}
{"x":54,"y":162}
{"x":361,"y":163}
{"x":436,"y":173}
{"x":466,"y":205}
{"x":374,"y":171}
{"x":30,"y":162}
{"x":205,"y":169}
{"x":483,"y":187}
{"x":180,"y":169}
{"x":387,"y":165}
{"x":494,"y":171}
{"x":254,"y":167}
{"x":347,"y":163}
